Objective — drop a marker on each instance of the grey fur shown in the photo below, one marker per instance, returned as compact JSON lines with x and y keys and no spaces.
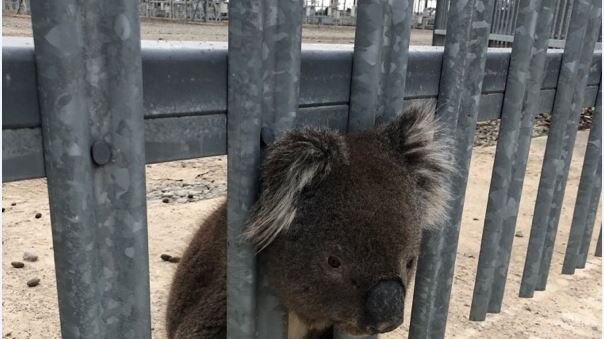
{"x":360,"y":199}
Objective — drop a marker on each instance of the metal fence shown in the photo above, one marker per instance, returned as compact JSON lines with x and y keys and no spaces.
{"x":505,"y":14}
{"x":89,"y":107}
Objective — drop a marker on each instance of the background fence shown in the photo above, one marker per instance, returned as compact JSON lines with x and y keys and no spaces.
{"x":88,"y":108}
{"x":503,"y":23}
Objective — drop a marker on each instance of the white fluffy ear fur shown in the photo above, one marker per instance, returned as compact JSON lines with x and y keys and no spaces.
{"x":291,"y":164}
{"x":421,"y":141}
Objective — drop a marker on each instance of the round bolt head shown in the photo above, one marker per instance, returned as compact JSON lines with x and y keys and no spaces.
{"x":267,"y":136}
{"x":101,"y":152}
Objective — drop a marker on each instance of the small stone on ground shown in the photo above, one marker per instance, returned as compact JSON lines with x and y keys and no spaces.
{"x":33,"y":282}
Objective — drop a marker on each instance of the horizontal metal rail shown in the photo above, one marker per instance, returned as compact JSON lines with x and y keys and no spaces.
{"x":185,"y":95}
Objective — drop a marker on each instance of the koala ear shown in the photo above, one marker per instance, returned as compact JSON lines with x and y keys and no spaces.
{"x":420,"y":141}
{"x":291,"y":164}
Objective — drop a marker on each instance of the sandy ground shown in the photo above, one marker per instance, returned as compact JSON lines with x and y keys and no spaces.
{"x":157,"y":29}
{"x":570,"y":308}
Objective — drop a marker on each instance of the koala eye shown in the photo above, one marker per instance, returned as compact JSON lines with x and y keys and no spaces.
{"x":333,"y":262}
{"x":410,"y":263}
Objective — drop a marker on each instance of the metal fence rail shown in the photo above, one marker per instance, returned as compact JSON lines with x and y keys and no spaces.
{"x":90,"y":107}
{"x":185,"y":96}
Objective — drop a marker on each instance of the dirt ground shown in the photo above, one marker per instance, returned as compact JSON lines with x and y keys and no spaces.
{"x":569,"y":308}
{"x":158,"y":29}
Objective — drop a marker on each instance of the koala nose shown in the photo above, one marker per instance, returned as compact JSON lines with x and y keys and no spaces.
{"x":384,"y":305}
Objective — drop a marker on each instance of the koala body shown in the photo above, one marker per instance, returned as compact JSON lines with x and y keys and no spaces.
{"x":339,"y":223}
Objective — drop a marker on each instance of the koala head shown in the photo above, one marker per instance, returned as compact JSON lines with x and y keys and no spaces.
{"x":340,"y":217}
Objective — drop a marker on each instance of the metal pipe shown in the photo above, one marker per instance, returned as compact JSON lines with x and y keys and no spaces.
{"x":559,"y":4}
{"x":364,"y":87}
{"x":282,"y":38}
{"x":591,"y":36}
{"x":394,"y":72}
{"x":563,"y":26}
{"x":464,"y":59}
{"x":380,"y":58}
{"x":530,"y":109}
{"x":243,"y":130}
{"x":90,"y":90}
{"x":598,"y":252}
{"x":567,"y":83}
{"x":534,"y":17}
{"x":585,"y":192}
{"x":379,"y":62}
{"x":440,"y":21}
{"x":591,"y":218}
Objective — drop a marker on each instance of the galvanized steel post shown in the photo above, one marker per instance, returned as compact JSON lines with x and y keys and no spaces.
{"x":264,"y":77}
{"x":568,"y":81}
{"x":90,"y":89}
{"x":464,"y":60}
{"x":525,"y":74}
{"x":243,"y":130}
{"x":591,"y":161}
{"x":591,"y":218}
{"x":594,"y":22}
{"x":440,"y":21}
{"x":379,"y":72}
{"x":380,"y":57}
{"x":598,"y":252}
{"x":531,"y":106}
{"x":282,"y":37}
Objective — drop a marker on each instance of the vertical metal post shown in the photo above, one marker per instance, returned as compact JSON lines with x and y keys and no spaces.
{"x":524,"y":75}
{"x":591,"y":36}
{"x":464,"y":59}
{"x":380,"y":62}
{"x":557,"y":9}
{"x":282,"y":37}
{"x":530,"y":109}
{"x":264,"y":76}
{"x":379,"y":72}
{"x":598,"y":252}
{"x":593,"y":154}
{"x":440,"y":21}
{"x":564,"y":24}
{"x":591,"y":218}
{"x":574,"y":64}
{"x":243,"y":128}
{"x":90,"y":89}
{"x":509,"y":10}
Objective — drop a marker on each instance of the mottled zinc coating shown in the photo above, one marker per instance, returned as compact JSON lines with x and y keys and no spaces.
{"x":591,"y":218}
{"x":534,"y":15}
{"x":90,"y":90}
{"x":567,"y":82}
{"x":592,"y":158}
{"x":381,"y":52}
{"x":598,"y":252}
{"x":379,"y":71}
{"x":264,"y":78}
{"x":461,"y":81}
{"x":530,"y":107}
{"x":282,"y":41}
{"x":553,"y":217}
{"x":243,"y":131}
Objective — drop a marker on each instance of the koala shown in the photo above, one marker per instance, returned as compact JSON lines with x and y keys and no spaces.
{"x":338,"y":222}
